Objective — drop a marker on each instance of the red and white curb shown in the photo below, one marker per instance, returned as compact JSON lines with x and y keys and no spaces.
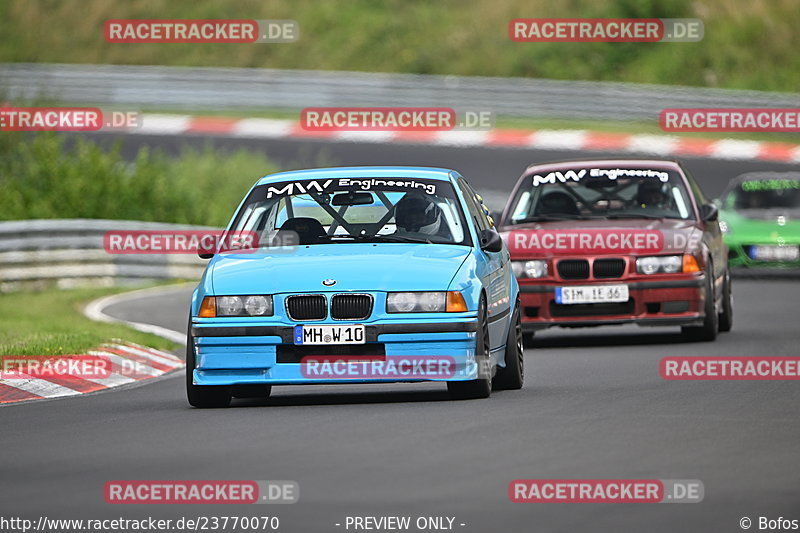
{"x":577,"y":140}
{"x":148,"y":362}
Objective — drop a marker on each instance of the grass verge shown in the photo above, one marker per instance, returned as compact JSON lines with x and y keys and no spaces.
{"x":44,"y":176}
{"x":746,"y":44}
{"x":50,"y":322}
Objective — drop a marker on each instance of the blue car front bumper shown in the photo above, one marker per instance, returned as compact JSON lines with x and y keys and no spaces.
{"x":246,"y":353}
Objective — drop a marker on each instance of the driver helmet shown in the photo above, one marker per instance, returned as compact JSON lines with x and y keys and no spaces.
{"x":416,"y":214}
{"x":651,"y":194}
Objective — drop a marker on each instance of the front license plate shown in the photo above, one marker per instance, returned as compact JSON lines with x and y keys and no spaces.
{"x":592,"y":294}
{"x":775,"y":253}
{"x":333,"y":334}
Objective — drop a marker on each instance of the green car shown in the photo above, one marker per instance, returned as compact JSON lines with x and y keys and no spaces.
{"x":760,"y":219}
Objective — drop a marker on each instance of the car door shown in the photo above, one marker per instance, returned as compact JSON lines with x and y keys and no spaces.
{"x":712,"y":234}
{"x":494,"y":271}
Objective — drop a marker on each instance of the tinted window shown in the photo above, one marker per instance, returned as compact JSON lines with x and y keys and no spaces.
{"x":765,"y":194}
{"x":325,"y":211}
{"x":588,"y":192}
{"x":475,"y":207}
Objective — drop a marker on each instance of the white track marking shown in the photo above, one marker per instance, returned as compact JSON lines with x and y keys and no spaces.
{"x":95,"y":311}
{"x":41,"y":387}
{"x":559,"y":139}
{"x":163,"y":124}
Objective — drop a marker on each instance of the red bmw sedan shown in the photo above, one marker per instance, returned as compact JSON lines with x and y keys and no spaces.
{"x":606,"y":242}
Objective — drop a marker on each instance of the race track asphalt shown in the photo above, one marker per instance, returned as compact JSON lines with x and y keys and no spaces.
{"x":593,"y":406}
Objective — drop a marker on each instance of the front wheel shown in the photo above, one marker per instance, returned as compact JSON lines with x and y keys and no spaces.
{"x":203,"y":395}
{"x":528,"y":338}
{"x":481,"y":387}
{"x":726,"y":316}
{"x":708,"y":331}
{"x":513,"y":375}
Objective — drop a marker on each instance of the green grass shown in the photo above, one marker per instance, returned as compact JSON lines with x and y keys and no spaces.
{"x":50,"y":322}
{"x":43,"y":176}
{"x":748,"y":44}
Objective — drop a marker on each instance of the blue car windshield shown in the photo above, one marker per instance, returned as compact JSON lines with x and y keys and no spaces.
{"x":346,"y":210}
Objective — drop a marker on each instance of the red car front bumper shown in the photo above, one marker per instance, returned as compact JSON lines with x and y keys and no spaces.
{"x":659,"y":300}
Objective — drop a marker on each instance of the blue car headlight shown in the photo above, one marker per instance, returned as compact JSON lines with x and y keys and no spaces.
{"x":248,"y":305}
{"x":425,"y":302}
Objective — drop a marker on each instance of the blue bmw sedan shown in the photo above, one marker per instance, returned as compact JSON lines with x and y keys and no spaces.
{"x":356,"y":275}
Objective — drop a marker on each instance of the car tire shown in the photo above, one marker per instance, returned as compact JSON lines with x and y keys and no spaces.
{"x":256,"y":390}
{"x":528,"y":338}
{"x":512,"y":377}
{"x":203,"y":396}
{"x":708,"y":331}
{"x":726,"y":316}
{"x":481,"y":387}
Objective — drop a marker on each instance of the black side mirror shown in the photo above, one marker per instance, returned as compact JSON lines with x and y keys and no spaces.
{"x":490,"y":241}
{"x":204,"y":254}
{"x":709,"y":212}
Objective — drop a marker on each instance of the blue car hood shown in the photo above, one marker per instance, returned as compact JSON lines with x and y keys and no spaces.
{"x":355,"y":267}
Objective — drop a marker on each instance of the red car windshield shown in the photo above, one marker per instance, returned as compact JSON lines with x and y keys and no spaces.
{"x":583,"y":193}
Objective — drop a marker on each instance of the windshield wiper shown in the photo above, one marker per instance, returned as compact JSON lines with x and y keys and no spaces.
{"x":371,"y":238}
{"x":399,"y":238}
{"x":547,"y":218}
{"x":633,"y":215}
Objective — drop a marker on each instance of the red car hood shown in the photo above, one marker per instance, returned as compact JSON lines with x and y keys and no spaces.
{"x":600,"y":237}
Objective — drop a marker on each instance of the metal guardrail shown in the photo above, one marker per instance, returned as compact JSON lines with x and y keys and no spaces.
{"x":69,"y":252}
{"x":247,"y":88}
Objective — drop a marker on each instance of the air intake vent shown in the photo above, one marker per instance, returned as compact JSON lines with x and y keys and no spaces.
{"x":573,"y":269}
{"x":609,"y":268}
{"x":307,"y":307}
{"x":590,"y":310}
{"x":351,"y":306}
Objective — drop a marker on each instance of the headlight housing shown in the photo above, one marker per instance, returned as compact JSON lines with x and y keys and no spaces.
{"x":246,"y":305}
{"x":659,"y":264}
{"x":535,"y":268}
{"x":425,"y":302}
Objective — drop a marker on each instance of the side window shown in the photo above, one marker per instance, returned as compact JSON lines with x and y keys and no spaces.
{"x":486,"y":217}
{"x":696,"y":190}
{"x":475,"y":207}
